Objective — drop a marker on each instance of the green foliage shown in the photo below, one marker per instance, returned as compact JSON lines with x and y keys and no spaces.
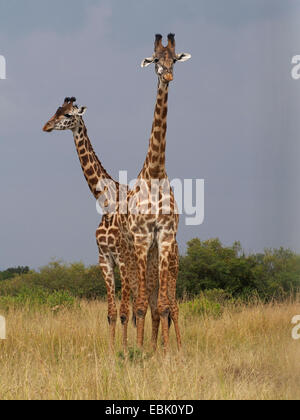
{"x":201,"y":306}
{"x":210,"y":303}
{"x":33,"y":297}
{"x":210,"y":265}
{"x":210,"y":274}
{"x":76,"y":279}
{"x":12,"y":272}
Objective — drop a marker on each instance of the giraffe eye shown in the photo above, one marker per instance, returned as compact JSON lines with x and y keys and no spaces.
{"x":68,"y":116}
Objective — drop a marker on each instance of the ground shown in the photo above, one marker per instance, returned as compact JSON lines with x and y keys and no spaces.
{"x":245,"y":353}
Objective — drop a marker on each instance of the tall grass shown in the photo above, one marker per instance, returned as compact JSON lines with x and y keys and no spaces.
{"x":239,"y":352}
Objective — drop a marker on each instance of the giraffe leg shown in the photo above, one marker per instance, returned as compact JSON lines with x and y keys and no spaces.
{"x":152,"y":287}
{"x":142,"y":302}
{"x":125,"y":300}
{"x":155,"y":320}
{"x":108,"y":274}
{"x":166,"y":245}
{"x":142,"y":246}
{"x":173,"y":274}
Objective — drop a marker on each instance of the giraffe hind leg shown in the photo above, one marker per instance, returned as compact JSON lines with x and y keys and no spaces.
{"x":152,"y":288}
{"x":173,"y":274}
{"x":108,"y":274}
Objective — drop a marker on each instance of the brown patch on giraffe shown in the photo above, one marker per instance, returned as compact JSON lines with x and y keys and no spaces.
{"x":113,"y":231}
{"x":101,"y":232}
{"x":157,"y":135}
{"x":111,"y":240}
{"x":165,"y":113}
{"x":84,"y":160}
{"x":93,"y":181}
{"x":90,"y":172}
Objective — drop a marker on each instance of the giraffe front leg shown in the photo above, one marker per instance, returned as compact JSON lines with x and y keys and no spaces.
{"x":142,"y":301}
{"x":155,"y":320}
{"x":173,"y":274}
{"x":142,"y":245}
{"x":108,"y":274}
{"x":166,"y":245}
{"x":152,"y":287}
{"x":125,"y":300}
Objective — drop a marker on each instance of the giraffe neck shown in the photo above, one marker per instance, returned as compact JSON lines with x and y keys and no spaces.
{"x":154,"y":166}
{"x":92,"y":168}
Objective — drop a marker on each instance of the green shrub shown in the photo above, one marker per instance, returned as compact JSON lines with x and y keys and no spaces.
{"x":37,"y":297}
{"x":222,"y":272}
{"x":206,"y":305}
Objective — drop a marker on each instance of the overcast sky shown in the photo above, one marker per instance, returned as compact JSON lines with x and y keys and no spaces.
{"x":233,"y":117}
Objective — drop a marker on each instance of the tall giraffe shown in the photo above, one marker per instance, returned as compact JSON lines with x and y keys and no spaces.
{"x":153,"y":219}
{"x":113,"y":249}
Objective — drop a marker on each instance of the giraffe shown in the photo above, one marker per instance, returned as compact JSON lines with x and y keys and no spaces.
{"x":153,"y":223}
{"x":114,"y":245}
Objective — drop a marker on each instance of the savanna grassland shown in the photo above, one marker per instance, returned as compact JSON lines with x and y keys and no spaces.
{"x":232,"y":352}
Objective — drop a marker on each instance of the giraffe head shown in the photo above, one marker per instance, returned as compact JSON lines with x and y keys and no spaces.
{"x":67,"y":117}
{"x":165,"y":58}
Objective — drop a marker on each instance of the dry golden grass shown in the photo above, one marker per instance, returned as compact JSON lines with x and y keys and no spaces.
{"x":245,"y":354}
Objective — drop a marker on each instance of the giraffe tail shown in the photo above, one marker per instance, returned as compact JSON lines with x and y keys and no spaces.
{"x":170,"y":321}
{"x":134,"y":320}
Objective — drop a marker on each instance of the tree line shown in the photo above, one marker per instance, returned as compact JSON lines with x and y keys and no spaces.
{"x":207,"y":265}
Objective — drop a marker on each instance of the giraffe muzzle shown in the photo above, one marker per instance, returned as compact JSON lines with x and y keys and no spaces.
{"x":48,"y":128}
{"x":168,"y":77}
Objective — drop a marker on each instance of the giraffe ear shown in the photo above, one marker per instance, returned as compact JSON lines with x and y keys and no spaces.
{"x":82,"y":111}
{"x":183,"y":57}
{"x":147,"y":61}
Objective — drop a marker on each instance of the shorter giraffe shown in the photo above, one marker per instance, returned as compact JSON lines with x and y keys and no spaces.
{"x":114,"y":248}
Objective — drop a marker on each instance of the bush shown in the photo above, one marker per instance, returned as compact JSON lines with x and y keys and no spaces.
{"x":76,"y":279}
{"x":37,"y":297}
{"x":208,"y":266}
{"x":206,"y":305}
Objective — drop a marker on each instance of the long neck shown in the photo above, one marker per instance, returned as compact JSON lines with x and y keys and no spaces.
{"x":100,"y":183}
{"x":154,"y":166}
